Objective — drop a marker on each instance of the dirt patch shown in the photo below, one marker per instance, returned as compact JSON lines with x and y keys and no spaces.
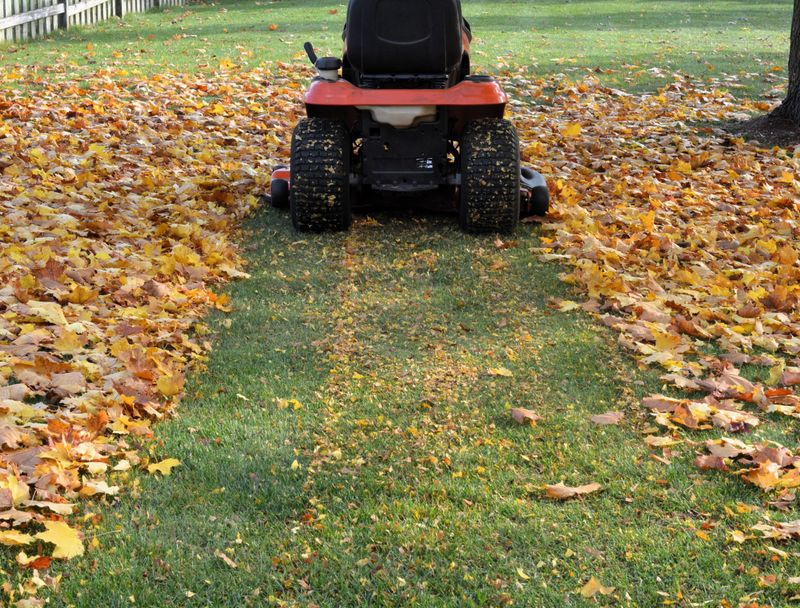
{"x":768,"y":130}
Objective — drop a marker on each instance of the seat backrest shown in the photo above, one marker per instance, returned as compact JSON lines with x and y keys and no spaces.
{"x":404,"y":36}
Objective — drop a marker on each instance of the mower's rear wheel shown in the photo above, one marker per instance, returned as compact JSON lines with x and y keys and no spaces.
{"x":279,"y":194}
{"x":320,"y":192}
{"x":490,"y":182}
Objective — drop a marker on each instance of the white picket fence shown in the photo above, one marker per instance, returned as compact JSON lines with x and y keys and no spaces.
{"x":24,"y":19}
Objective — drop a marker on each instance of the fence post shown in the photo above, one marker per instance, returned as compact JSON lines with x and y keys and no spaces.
{"x":119,"y":8}
{"x":63,"y":18}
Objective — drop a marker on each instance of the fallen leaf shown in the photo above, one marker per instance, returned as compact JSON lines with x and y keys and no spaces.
{"x":13,"y":538}
{"x":608,"y":418}
{"x":228,"y":561}
{"x":164,"y":467}
{"x":594,"y":587}
{"x":561,"y":492}
{"x":67,"y":541}
{"x":521,"y":415}
{"x":573,"y":129}
{"x":34,"y":562}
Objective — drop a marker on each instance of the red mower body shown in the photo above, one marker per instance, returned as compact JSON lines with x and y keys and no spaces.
{"x":479,"y":97}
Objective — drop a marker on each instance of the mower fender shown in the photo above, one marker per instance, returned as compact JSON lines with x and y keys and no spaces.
{"x":534,"y":194}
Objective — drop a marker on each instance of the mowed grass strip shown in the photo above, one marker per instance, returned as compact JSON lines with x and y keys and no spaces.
{"x":633,"y":44}
{"x":398,"y":477}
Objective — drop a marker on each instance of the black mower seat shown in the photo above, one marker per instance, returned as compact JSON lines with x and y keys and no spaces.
{"x":404,"y":37}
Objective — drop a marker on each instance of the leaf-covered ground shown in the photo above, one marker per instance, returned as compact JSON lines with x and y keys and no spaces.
{"x":403,"y":415}
{"x":118,"y":199}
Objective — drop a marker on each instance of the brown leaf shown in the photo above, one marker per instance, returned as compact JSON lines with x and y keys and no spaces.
{"x":523,"y":416}
{"x":709,"y":462}
{"x":68,"y":384}
{"x":791,"y":376}
{"x":11,"y":436}
{"x":660,"y":403}
{"x":228,"y":561}
{"x":17,"y":392}
{"x":561,"y":492}
{"x":608,"y":418}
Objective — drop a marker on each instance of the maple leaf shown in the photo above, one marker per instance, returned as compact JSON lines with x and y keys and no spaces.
{"x":709,"y":461}
{"x":593,"y":587}
{"x":50,"y":312}
{"x":765,"y":476}
{"x":14,"y":538}
{"x":655,"y":441}
{"x":67,"y":541}
{"x":561,"y":492}
{"x":34,"y":562}
{"x":521,"y":415}
{"x":11,"y":436}
{"x":608,"y":418}
{"x":56,"y":507}
{"x":790,"y":376}
{"x":573,"y":129}
{"x":171,"y":385}
{"x":164,"y":467}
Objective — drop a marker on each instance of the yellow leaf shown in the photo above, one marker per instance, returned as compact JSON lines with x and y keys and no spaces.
{"x":67,"y":542}
{"x":566,"y":305}
{"x":49,"y":311}
{"x":593,"y":587}
{"x":67,"y":343}
{"x":12,"y":538}
{"x":170,"y":385}
{"x":500,"y":371}
{"x":19,"y":490}
{"x":81,"y":294}
{"x":666,"y":342}
{"x":573,"y":129}
{"x":164,"y":467}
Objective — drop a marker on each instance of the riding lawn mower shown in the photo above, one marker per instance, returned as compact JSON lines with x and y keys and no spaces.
{"x":400,"y":115}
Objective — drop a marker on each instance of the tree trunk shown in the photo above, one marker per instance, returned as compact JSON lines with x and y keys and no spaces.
{"x":790,"y":108}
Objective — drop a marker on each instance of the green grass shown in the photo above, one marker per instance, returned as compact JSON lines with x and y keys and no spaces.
{"x":401,"y":480}
{"x":731,"y":40}
{"x":412,"y":486}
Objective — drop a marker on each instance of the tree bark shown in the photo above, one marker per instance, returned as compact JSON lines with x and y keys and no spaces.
{"x":790,"y":108}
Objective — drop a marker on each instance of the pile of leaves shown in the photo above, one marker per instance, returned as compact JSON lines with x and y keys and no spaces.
{"x":119,"y":197}
{"x":685,"y":240}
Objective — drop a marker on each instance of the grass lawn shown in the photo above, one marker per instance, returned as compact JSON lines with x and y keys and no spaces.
{"x":347,"y":445}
